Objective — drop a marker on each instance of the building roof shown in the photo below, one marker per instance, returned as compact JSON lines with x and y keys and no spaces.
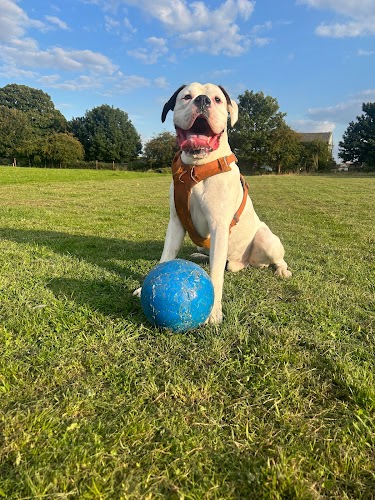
{"x":316,"y":136}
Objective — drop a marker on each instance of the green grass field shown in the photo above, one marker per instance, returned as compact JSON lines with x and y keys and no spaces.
{"x":276,"y":403}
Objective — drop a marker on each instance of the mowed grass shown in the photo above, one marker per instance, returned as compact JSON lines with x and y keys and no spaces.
{"x":276,"y":403}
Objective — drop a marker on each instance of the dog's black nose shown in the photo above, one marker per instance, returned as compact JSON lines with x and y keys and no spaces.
{"x":202,"y":101}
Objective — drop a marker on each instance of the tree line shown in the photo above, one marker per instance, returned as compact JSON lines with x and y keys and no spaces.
{"x":33,"y":132}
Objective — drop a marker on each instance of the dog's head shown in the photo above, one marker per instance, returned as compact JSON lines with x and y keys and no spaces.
{"x":200,"y":118}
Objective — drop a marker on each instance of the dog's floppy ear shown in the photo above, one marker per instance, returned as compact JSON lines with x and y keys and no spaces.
{"x":233,"y":111}
{"x":169,"y":106}
{"x":232,"y":107}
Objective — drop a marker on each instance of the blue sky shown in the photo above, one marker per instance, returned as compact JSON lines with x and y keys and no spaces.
{"x":316,"y":57}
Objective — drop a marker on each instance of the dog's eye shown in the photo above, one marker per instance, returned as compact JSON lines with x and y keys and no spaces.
{"x":217,"y":99}
{"x":187,"y":97}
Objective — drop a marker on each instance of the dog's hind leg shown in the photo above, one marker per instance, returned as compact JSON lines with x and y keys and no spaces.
{"x":234,"y":266}
{"x":267,"y":250}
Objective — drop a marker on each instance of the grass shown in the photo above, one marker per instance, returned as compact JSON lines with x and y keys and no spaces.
{"x":277,"y":403}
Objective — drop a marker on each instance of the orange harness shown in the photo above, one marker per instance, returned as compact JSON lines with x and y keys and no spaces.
{"x":185,"y":177}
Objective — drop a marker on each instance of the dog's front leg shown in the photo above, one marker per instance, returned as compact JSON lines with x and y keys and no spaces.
{"x":175,"y":231}
{"x":218,"y":259}
{"x":173,"y":239}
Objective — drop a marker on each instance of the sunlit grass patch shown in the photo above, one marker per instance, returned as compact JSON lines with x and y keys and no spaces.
{"x":278,"y":402}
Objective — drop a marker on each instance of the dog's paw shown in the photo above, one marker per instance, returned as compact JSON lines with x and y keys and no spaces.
{"x":200,"y":256}
{"x":216,"y":316}
{"x":283,"y":272}
{"x":137,"y":292}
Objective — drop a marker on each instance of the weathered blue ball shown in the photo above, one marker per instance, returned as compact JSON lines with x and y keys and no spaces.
{"x":177,"y":294}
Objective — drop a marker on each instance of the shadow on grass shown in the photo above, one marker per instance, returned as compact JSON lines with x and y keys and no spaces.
{"x":114,"y":255}
{"x":103,"y":252}
{"x":345,"y":385}
{"x":113,"y":299}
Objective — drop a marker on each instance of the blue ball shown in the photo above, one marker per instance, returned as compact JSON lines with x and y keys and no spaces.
{"x":177,"y":294}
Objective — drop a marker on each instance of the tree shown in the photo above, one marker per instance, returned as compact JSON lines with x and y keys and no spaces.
{"x":107,"y":134}
{"x":315,"y":155}
{"x":284,"y":150}
{"x":358,"y":144}
{"x":15,"y":132}
{"x":251,"y":137}
{"x":62,"y":149}
{"x":160,"y":150}
{"x":42,"y":115}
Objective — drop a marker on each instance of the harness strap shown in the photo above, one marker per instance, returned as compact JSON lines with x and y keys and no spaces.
{"x":237,"y":215}
{"x":185,"y":177}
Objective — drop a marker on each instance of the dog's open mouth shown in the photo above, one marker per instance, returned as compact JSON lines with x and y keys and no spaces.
{"x":199,"y":137}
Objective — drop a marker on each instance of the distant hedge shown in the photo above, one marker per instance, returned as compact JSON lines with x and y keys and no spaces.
{"x":138,"y":164}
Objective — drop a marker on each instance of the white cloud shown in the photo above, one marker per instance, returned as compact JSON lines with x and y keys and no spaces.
{"x":161,"y":82}
{"x":107,"y":85}
{"x":341,"y":113}
{"x":365,"y":53}
{"x":10,"y":69}
{"x":367,"y":95}
{"x":66,"y":68}
{"x":78,"y":84}
{"x":14,"y":21}
{"x":261,"y":28}
{"x":347,"y":30}
{"x":117,"y":26}
{"x":357,"y":17}
{"x":350,"y":8}
{"x":196,"y":26}
{"x":219,"y":73}
{"x":216,"y":42}
{"x":22,"y":52}
{"x":157,"y":47}
{"x":245,"y":8}
{"x":258,"y":30}
{"x":112,"y":24}
{"x":262,"y":41}
{"x":57,"y":22}
{"x":217,"y":31}
{"x":108,"y":6}
{"x":181,"y":16}
{"x":128,"y":83}
{"x":128,"y":25}
{"x":312,"y":125}
{"x":333,"y":118}
{"x":49,"y":80}
{"x":26,"y":53}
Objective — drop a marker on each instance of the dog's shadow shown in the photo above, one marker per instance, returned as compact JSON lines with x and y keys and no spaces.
{"x":124,"y":258}
{"x":105,"y":296}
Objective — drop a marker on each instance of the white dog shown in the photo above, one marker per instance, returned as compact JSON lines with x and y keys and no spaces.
{"x":208,"y":197}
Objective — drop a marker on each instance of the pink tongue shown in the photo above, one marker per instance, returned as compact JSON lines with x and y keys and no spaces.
{"x":195,"y":142}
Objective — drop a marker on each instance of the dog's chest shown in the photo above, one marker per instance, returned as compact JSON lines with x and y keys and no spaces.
{"x":200,"y":208}
{"x":211,"y":201}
